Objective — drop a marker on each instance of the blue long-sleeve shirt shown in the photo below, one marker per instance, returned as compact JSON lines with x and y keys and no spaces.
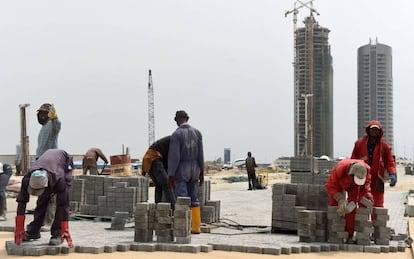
{"x":48,"y":136}
{"x":185,"y":156}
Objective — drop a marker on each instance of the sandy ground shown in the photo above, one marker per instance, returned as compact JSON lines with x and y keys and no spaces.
{"x":219,"y":183}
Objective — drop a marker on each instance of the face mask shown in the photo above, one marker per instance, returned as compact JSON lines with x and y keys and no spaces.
{"x":42,"y":118}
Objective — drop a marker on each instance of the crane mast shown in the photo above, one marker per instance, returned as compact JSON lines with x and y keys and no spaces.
{"x":308,"y":147}
{"x":151,"y":127}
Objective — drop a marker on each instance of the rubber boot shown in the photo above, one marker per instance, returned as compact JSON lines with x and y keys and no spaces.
{"x":195,"y":220}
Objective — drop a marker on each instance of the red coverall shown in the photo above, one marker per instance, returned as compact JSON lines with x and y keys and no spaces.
{"x":340,"y":181}
{"x":382,"y":161}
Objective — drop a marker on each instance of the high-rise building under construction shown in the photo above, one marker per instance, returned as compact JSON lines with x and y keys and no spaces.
{"x":375,"y":88}
{"x":313,"y":91}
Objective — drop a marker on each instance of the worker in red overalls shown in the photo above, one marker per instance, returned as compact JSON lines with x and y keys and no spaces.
{"x":351,"y":177}
{"x":376,"y":152}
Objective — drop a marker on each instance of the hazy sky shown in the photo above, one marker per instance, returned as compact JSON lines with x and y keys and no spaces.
{"x":228,"y":63}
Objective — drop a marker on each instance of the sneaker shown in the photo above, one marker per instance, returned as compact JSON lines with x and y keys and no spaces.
{"x":55,"y":241}
{"x":3,"y":218}
{"x":31,"y":236}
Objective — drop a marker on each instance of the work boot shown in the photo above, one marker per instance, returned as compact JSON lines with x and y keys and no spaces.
{"x":31,"y":236}
{"x":195,"y":220}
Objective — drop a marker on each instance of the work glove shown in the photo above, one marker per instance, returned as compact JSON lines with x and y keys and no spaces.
{"x":19,"y":232}
{"x":201,"y":179}
{"x":340,"y":198}
{"x":393,"y":179}
{"x":171,"y":182}
{"x":65,"y":233}
{"x":52,"y":113}
{"x":370,"y":197}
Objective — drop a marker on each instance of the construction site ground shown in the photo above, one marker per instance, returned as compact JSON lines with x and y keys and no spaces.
{"x":245,"y":222}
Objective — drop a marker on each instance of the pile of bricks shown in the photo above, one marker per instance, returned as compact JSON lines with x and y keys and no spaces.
{"x":182,"y":221}
{"x":310,"y":170}
{"x":104,"y":195}
{"x":336,"y":226}
{"x":159,"y":219}
{"x":312,"y":225}
{"x":363,"y":226}
{"x":144,"y":222}
{"x":288,"y":199}
{"x":210,"y":210}
{"x":163,"y":223}
{"x":382,"y":233}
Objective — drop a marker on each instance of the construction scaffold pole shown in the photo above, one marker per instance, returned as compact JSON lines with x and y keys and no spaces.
{"x":24,"y":139}
{"x":151,"y":127}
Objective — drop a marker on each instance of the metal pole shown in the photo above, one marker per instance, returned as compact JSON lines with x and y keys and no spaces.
{"x":24,"y":139}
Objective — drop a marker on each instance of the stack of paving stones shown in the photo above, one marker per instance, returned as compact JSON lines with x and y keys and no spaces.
{"x":182,"y":221}
{"x":163,"y":223}
{"x":288,"y":199}
{"x":144,"y":222}
{"x":119,"y":220}
{"x":77,"y":194}
{"x":336,"y":226}
{"x":312,"y":226}
{"x":210,"y":210}
{"x":310,"y":170}
{"x":363,"y":226}
{"x":382,"y":233}
{"x":99,"y":195}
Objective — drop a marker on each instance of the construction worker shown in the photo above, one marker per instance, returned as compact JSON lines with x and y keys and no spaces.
{"x":376,"y":152}
{"x":48,"y":135}
{"x":155,"y":164}
{"x":186,"y":165}
{"x":50,"y":174}
{"x":5,"y":173}
{"x":90,"y":159}
{"x":47,"y":139}
{"x":353,"y":177}
{"x":251,"y":171}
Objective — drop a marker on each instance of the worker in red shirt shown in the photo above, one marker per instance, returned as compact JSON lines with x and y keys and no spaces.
{"x":376,"y":152}
{"x":350,"y":176}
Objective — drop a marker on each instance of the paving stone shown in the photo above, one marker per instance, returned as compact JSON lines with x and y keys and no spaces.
{"x":206,"y":248}
{"x":190,"y":249}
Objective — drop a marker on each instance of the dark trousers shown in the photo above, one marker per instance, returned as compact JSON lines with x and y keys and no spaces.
{"x":251,"y":177}
{"x":39,"y":216}
{"x":160,"y":178}
{"x":4,"y":180}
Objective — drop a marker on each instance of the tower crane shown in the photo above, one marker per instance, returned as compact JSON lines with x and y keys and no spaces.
{"x":308,"y":103}
{"x":151,"y":127}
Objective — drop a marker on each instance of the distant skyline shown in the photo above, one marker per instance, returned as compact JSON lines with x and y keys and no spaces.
{"x":227,"y":63}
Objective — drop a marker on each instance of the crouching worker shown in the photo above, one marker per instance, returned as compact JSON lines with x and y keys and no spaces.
{"x":50,"y":174}
{"x":351,"y":177}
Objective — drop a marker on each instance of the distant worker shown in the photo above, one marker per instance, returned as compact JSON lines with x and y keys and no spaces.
{"x":48,"y":139}
{"x":5,"y":173}
{"x":186,"y":165}
{"x":48,"y":135}
{"x":376,"y":152}
{"x":50,"y":174}
{"x":350,"y":176}
{"x":90,"y":160}
{"x":155,"y":164}
{"x":251,"y":171}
